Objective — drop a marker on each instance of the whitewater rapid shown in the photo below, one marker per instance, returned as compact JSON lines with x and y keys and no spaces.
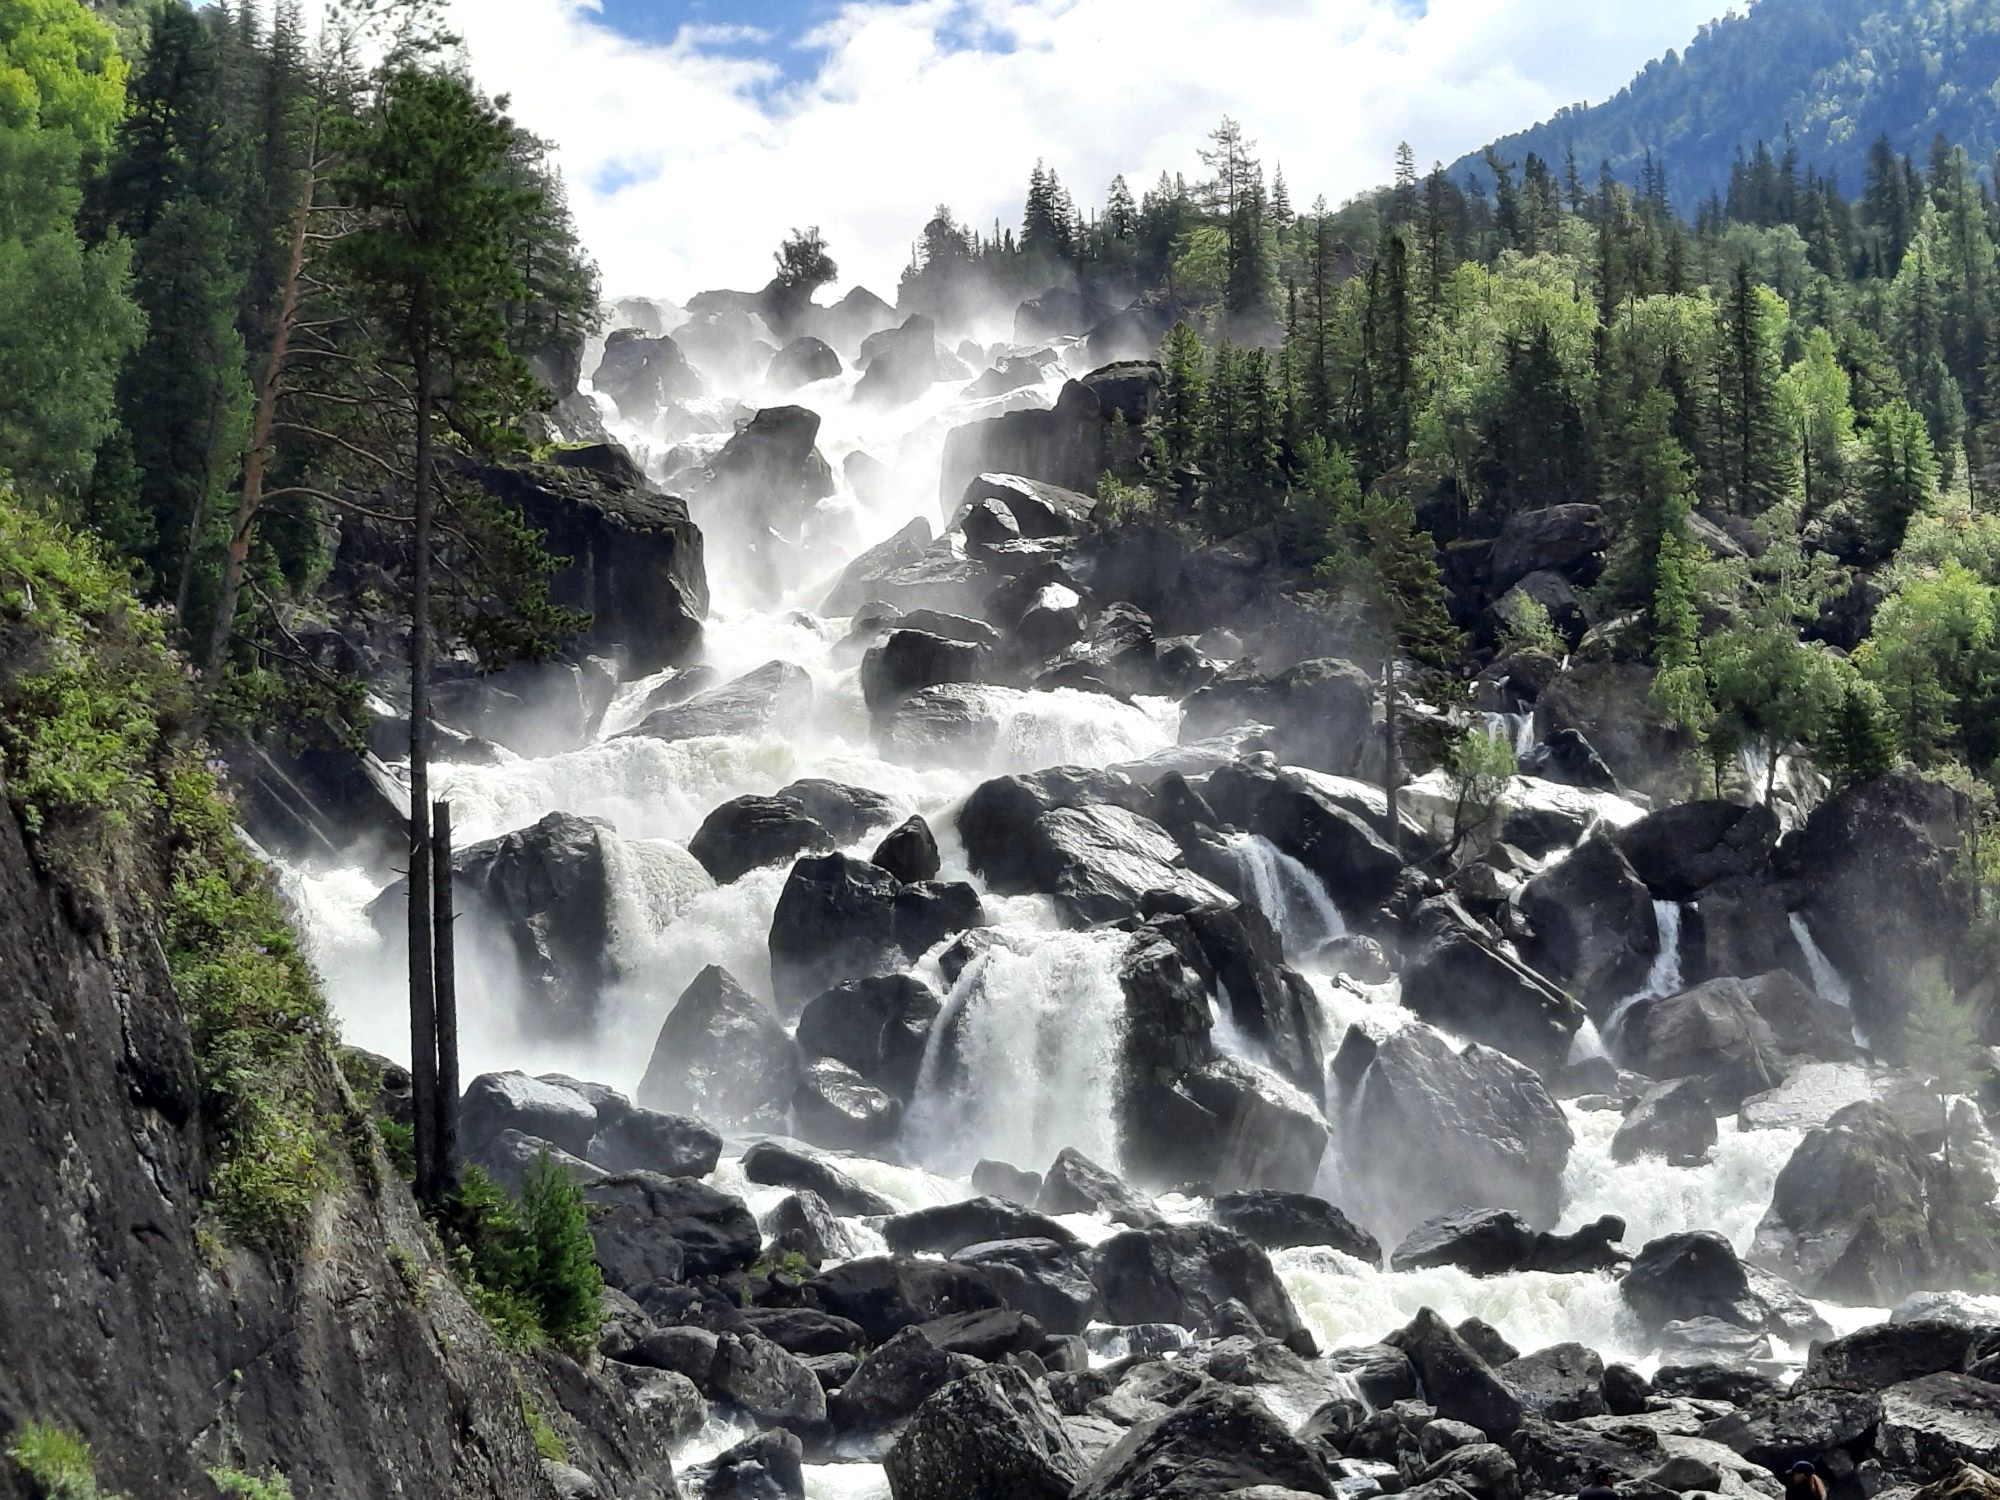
{"x":1039,"y":1011}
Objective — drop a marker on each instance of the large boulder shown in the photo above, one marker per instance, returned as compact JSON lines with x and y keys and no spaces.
{"x":1855,"y":1213}
{"x":776,"y":693}
{"x":774,"y":1386}
{"x":746,"y":833}
{"x":1932,"y":1425}
{"x":996,"y":823}
{"x":771,"y":470}
{"x":1886,"y":1354}
{"x":1680,"y":1277}
{"x":878,"y":1026}
{"x":1102,"y":863}
{"x":1046,"y":1278}
{"x":900,"y":364}
{"x":496,"y":1102}
{"x":1728,"y":1034}
{"x":1564,"y":539}
{"x":649,"y":1228}
{"x":835,"y":1106}
{"x":893,"y":1380}
{"x":1321,"y":713}
{"x":1283,"y":1221}
{"x":1221,"y":1440}
{"x":861,"y":580}
{"x":886,"y":1294}
{"x":1436,"y":1128}
{"x":1877,"y":864}
{"x":1302,"y":818}
{"x":845,"y":812}
{"x":1063,"y":446}
{"x":1563,"y":1383}
{"x":645,"y":1140}
{"x":1272,"y":1134}
{"x":1456,"y":1381}
{"x":1483,"y":1241}
{"x":1672,"y":1120}
{"x":910,"y":660}
{"x":1464,"y":983}
{"x":723,"y":1055}
{"x":802,"y":362}
{"x":1074,"y":1184}
{"x":1269,"y":1002}
{"x":635,"y":558}
{"x":1033,"y":509}
{"x":1681,"y":850}
{"x":1184,"y":1273}
{"x":1595,"y":932}
{"x":948,"y":1228}
{"x":840,"y":918}
{"x":910,"y":852}
{"x":777,"y":1162}
{"x":644,"y":375}
{"x":988,"y":1436}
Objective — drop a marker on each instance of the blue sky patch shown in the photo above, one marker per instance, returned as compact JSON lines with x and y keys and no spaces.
{"x":780,"y":24}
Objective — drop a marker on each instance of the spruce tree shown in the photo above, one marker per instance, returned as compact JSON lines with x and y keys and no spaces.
{"x":1753,"y":450}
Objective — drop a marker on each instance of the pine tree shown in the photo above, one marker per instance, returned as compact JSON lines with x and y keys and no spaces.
{"x":1403,"y":195}
{"x":1898,"y":473}
{"x":1181,"y":421}
{"x":1753,"y":450}
{"x":1859,"y":741}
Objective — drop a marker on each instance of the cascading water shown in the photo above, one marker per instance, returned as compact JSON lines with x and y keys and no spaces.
{"x":1827,"y":981}
{"x":1025,"y":1058}
{"x":1663,"y":978}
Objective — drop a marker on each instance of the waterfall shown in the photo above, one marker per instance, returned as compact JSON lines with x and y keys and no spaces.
{"x":1826,"y":980}
{"x":1517,"y":730}
{"x":1024,"y":1058}
{"x":1289,"y":894}
{"x":1664,"y":978}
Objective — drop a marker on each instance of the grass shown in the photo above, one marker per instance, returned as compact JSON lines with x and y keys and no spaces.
{"x":548,"y":1442}
{"x":57,"y":1462}
{"x":238,"y":1485}
{"x":123,"y":808}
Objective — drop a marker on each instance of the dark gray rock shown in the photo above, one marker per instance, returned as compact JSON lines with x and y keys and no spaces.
{"x":1671,"y":1120}
{"x":1444,"y":1128}
{"x":1046,"y":1278}
{"x":510,"y":1156}
{"x":774,"y":1387}
{"x":886,"y":1294}
{"x":1320,"y":713}
{"x":723,"y":1055}
{"x":1281,"y":1221}
{"x":893,"y":1380}
{"x":496,"y":1102}
{"x":911,"y":660}
{"x":1681,"y":850}
{"x":1594,"y":928}
{"x":1455,"y":1379}
{"x":1566,"y":757}
{"x":1183,"y":1273}
{"x":988,"y":1436}
{"x":1564,"y":539}
{"x":1382,"y":1372}
{"x":649,"y":1228}
{"x":878,"y":1026}
{"x":951,"y":1227}
{"x":769,"y":1466}
{"x":1563,"y":1383}
{"x":804,"y":1330}
{"x":997,"y":1179}
{"x":1484,"y":1241}
{"x":835,"y":1106}
{"x":776,"y":693}
{"x":803,"y":1224}
{"x":910,"y":852}
{"x":747,"y":833}
{"x":644,"y":375}
{"x":1886,"y":1354}
{"x":1074,"y":1184}
{"x":841,"y":918}
{"x":1461,"y":981}
{"x":1689,"y":1275}
{"x":1220,"y":1440}
{"x":845,"y":812}
{"x":1932,"y":1425}
{"x":803,"y":361}
{"x":645,"y":1140}
{"x":1713,"y":1032}
{"x":789,"y":1164}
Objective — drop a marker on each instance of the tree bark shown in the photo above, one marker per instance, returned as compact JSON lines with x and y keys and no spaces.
{"x":446,"y":985}
{"x":1390,"y":770}
{"x":423,"y":995}
{"x":250,"y":500}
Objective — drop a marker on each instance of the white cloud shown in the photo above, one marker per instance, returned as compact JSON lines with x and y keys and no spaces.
{"x":686,"y":168}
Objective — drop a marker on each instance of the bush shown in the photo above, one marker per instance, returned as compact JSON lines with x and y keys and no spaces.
{"x":57,"y":1462}
{"x":529,"y":1265}
{"x":237,"y":1485}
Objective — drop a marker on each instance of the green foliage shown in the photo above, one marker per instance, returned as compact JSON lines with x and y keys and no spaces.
{"x":1941,"y":1040}
{"x":237,"y":1485}
{"x":90,"y":708}
{"x":528,"y":1263}
{"x":1898,"y":473}
{"x":1525,"y":626}
{"x":56,"y":1461}
{"x":1931,"y":655}
{"x":60,"y":70}
{"x":1480,"y":768}
{"x":1858,"y":741}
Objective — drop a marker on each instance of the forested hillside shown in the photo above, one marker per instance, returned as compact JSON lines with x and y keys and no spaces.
{"x":1815,"y":81}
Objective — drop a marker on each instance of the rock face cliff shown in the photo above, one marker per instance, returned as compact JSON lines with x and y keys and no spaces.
{"x":356,"y":1368}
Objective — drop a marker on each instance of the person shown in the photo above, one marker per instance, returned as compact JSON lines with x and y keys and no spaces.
{"x":1604,"y":1486}
{"x":1802,"y":1482}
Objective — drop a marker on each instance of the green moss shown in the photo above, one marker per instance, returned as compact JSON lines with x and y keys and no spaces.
{"x":241,"y":1486}
{"x":57,"y":1463}
{"x":123,"y":807}
{"x":548,"y":1442}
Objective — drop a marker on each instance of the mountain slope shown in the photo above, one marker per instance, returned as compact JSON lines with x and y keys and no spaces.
{"x":1840,"y":73}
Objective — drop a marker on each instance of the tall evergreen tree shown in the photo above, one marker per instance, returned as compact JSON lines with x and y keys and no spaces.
{"x":1752,"y":468}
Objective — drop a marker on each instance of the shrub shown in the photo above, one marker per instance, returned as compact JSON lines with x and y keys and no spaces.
{"x":528,"y":1264}
{"x":57,"y":1462}
{"x":238,"y":1485}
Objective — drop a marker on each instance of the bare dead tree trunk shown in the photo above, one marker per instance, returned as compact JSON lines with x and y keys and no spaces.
{"x":250,"y":500}
{"x":423,"y":994}
{"x":446,"y":985}
{"x":1391,"y":771}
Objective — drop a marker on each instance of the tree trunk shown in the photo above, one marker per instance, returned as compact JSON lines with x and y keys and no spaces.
{"x":446,"y":982}
{"x":1390,"y":771}
{"x":251,"y":499}
{"x":423,"y":995}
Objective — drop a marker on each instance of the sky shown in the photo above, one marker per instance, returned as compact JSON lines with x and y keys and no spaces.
{"x":694,"y":133}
